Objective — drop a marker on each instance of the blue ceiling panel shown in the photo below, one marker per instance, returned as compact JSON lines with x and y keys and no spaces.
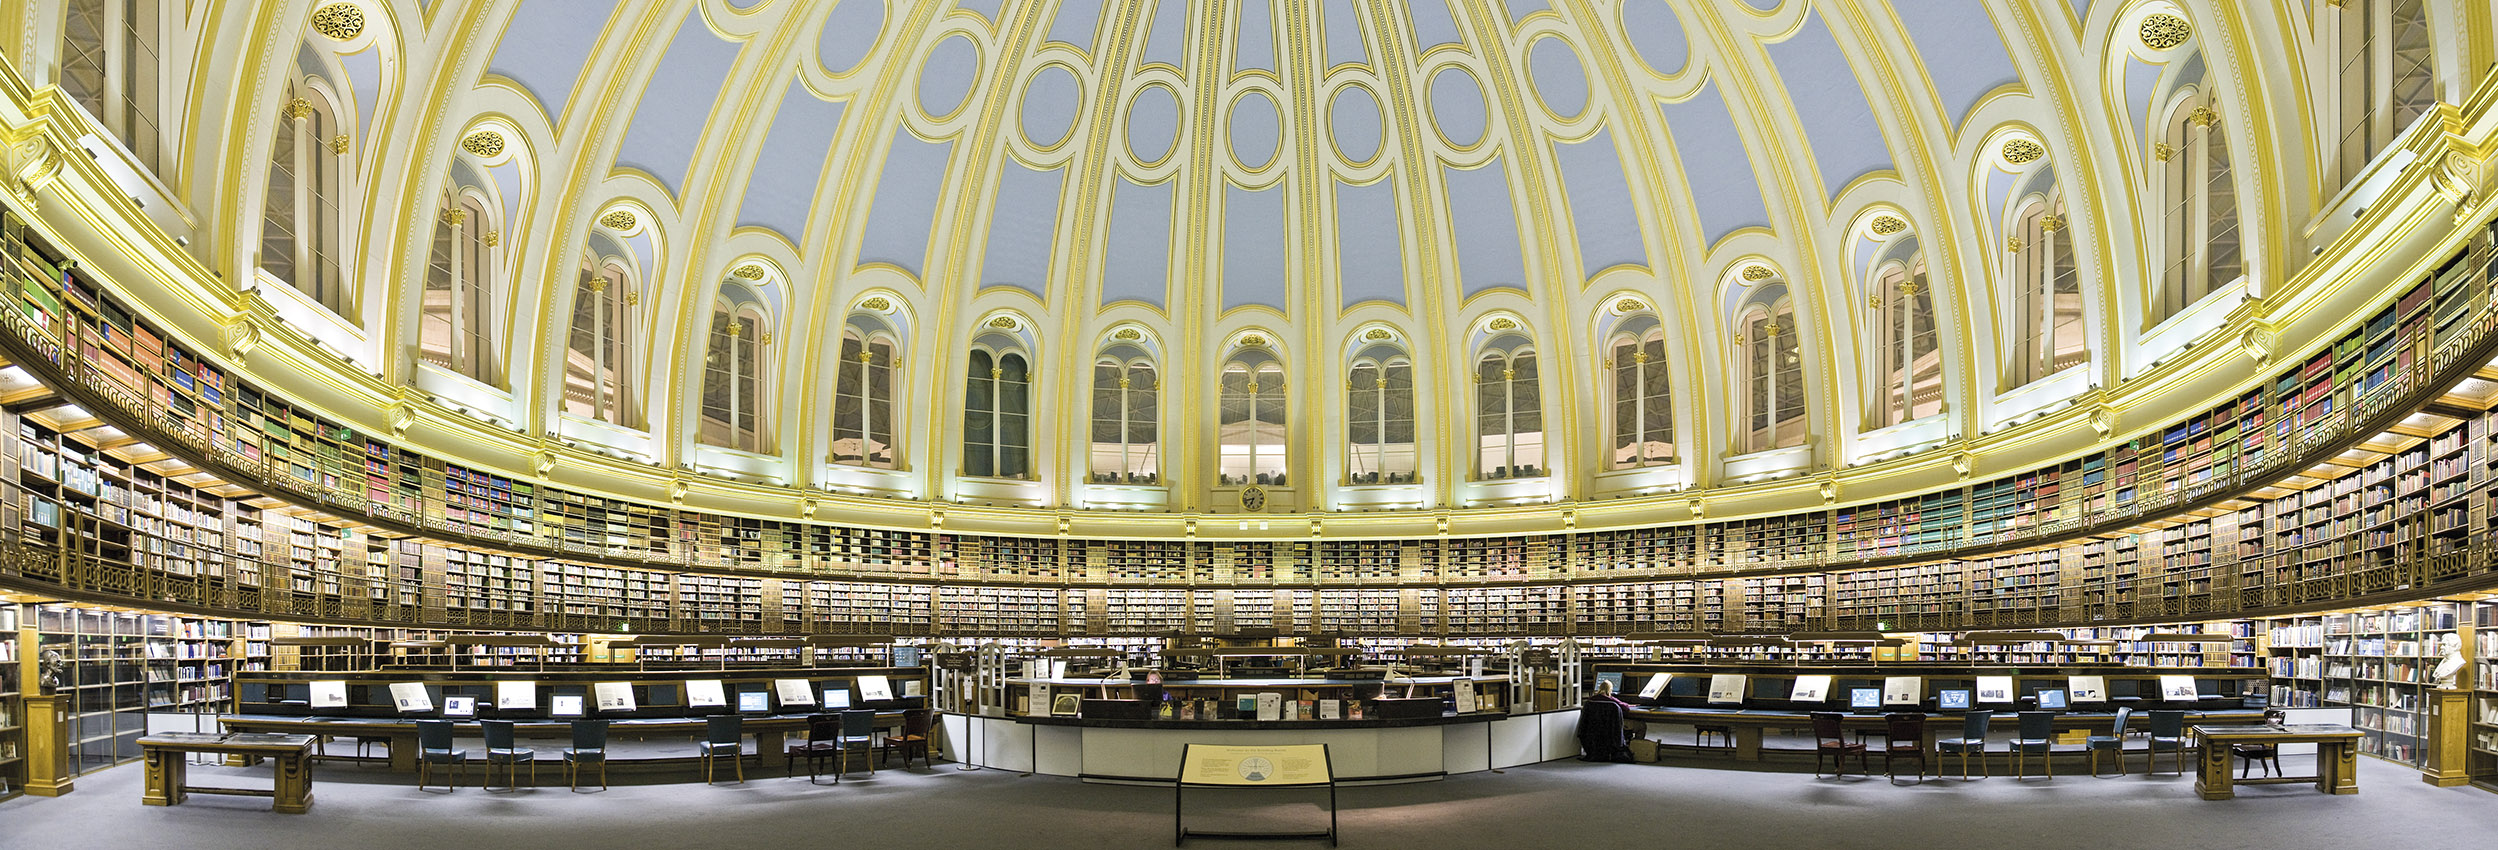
{"x":1605,"y":219}
{"x":1718,"y":166}
{"x":908,"y":188}
{"x":1961,"y":50}
{"x":1255,"y":252}
{"x":676,"y":105}
{"x":1846,"y":140}
{"x":1139,"y":265}
{"x":1485,"y":222}
{"x":781,"y":189}
{"x":1022,"y":227}
{"x":1370,"y":250}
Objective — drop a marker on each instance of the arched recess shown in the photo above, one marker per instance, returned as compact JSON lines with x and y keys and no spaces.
{"x":1250,"y":435}
{"x":737,"y":354}
{"x":997,"y":403}
{"x":1124,"y":445}
{"x":1768,"y":370}
{"x":1381,"y":446}
{"x":459,"y":315}
{"x":1508,"y":405}
{"x":603,"y":337}
{"x":865,"y":371}
{"x":1640,"y":397}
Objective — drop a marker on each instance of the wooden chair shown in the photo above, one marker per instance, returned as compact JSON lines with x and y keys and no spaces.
{"x":433,"y":747}
{"x":2113,"y":742}
{"x":1725,"y":734}
{"x":823,"y":739}
{"x":858,"y":733}
{"x":1973,"y":726}
{"x":915,"y":731}
{"x":2270,"y":754}
{"x":1830,"y":741}
{"x":589,"y":745}
{"x":2037,"y":735}
{"x":500,"y":749}
{"x":1903,"y":737}
{"x":2168,"y":735}
{"x":724,"y":735}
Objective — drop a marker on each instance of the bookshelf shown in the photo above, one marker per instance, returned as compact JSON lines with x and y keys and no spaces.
{"x":13,"y":748}
{"x":2482,"y":759}
{"x":2378,"y":662}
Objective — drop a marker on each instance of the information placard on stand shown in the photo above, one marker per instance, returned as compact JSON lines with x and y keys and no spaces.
{"x":1276,"y":766}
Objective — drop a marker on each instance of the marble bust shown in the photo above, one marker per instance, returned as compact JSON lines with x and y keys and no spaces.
{"x":2449,"y":662}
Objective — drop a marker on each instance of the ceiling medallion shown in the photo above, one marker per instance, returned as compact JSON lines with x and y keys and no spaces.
{"x":1628,"y":305}
{"x":1253,"y":340}
{"x":877,"y":303}
{"x":618,"y":220}
{"x":1888,"y":224}
{"x":484,"y":143}
{"x":1756,"y":273}
{"x":2163,"y":31}
{"x":1128,"y":335}
{"x":340,"y":21}
{"x":1378,"y":334}
{"x":1003,"y":323}
{"x":749,"y":271}
{"x":2023,"y":151}
{"x":1504,"y":323}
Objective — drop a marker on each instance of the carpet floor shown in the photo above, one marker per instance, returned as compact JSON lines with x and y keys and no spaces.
{"x":1582,"y":805}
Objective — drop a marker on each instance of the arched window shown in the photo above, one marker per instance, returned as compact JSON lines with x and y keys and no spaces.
{"x":1379,"y":419}
{"x":594,"y":359}
{"x":110,"y":67}
{"x":1643,"y":402}
{"x":2385,"y":79}
{"x":2046,"y":297}
{"x":1771,"y":370}
{"x":733,"y":414}
{"x":863,"y":401}
{"x":1126,"y":445}
{"x":997,"y":416}
{"x":2199,"y":208}
{"x":1912,"y":363}
{"x":455,"y":328}
{"x":1252,"y":421}
{"x":300,"y":238}
{"x":1509,"y":414}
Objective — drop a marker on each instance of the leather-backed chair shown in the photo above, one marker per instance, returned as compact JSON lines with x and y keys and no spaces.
{"x":1830,"y":741}
{"x":1903,"y":737}
{"x":724,"y":735}
{"x":2037,"y":735}
{"x":433,"y":747}
{"x":1973,"y":726}
{"x":2113,"y":742}
{"x":914,"y":736}
{"x":502,"y":750}
{"x":2168,"y":735}
{"x":858,"y":734}
{"x":589,"y":746}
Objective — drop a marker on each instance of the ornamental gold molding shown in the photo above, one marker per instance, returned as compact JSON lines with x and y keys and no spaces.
{"x":618,"y":220}
{"x":2023,"y":151}
{"x":339,"y":21}
{"x":487,"y":144}
{"x":2163,"y":31}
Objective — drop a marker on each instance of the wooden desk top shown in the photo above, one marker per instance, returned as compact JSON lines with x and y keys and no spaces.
{"x":2292,"y":733}
{"x":234,"y":742}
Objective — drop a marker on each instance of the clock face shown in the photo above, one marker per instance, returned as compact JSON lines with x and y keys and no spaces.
{"x":1253,"y":499}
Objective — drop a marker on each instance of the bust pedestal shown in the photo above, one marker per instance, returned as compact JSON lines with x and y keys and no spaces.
{"x":47,"y":748}
{"x":2448,"y":738}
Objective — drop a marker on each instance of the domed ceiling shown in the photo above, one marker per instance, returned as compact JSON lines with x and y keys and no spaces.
{"x":1015,"y":203}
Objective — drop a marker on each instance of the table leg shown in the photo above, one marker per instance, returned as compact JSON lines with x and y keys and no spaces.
{"x":770,"y":742}
{"x":403,"y":752}
{"x":167,"y":772}
{"x":294,"y":783}
{"x":1748,"y":742}
{"x":2337,"y":768}
{"x":2213,"y":779}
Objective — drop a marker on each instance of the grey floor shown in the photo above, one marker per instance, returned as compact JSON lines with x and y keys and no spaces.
{"x":1568,"y":803}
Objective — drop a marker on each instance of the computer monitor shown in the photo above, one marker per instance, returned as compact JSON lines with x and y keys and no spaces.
{"x":1953,"y":699}
{"x":2051,"y":699}
{"x":754,"y":702}
{"x":568,"y":705}
{"x":836,"y":699}
{"x":459,"y":707}
{"x":1865,"y":699}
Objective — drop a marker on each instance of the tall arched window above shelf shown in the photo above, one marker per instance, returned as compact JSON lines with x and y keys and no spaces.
{"x":455,"y":326}
{"x":1379,"y":418}
{"x":863,"y":399}
{"x":301,"y":239}
{"x":595,"y":356}
{"x":1509,"y":410}
{"x":2047,"y":295}
{"x":1643,"y":400}
{"x":1250,"y":429}
{"x":1126,"y":445}
{"x":2384,"y":78}
{"x":110,"y":66}
{"x":1911,"y":370}
{"x":997,"y":415}
{"x":2200,"y":245}
{"x":1769,"y":365}
{"x":733,"y":414}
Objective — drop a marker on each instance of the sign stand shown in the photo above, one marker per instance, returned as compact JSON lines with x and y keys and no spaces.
{"x":1283,"y":766}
